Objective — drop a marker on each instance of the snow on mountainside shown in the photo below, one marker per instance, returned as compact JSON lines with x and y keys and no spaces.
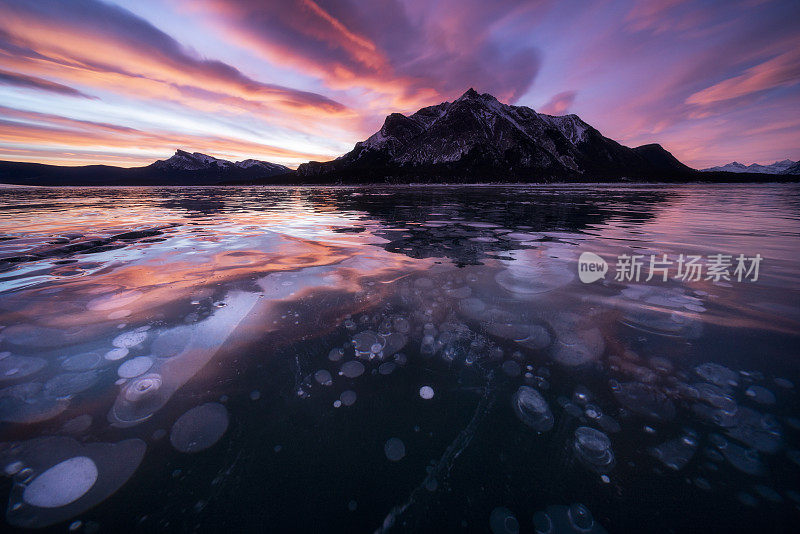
{"x":793,"y":169}
{"x":251,"y":163}
{"x":476,"y":137}
{"x":185,"y":161}
{"x":196,"y":161}
{"x":571,"y":126}
{"x":779,"y":167}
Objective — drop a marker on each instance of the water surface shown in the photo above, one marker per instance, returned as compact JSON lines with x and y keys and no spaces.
{"x":397,"y":358}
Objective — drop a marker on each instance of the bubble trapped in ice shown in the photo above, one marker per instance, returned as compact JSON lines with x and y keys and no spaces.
{"x":199,"y":428}
{"x":14,"y":367}
{"x":676,"y":453}
{"x":135,"y":367}
{"x":531,"y":408}
{"x":348,"y":397}
{"x":573,"y":519}
{"x":593,"y":449}
{"x":129,"y":339}
{"x":28,"y":403}
{"x":323,"y":377}
{"x":352,"y":369}
{"x":394,"y":449}
{"x":65,"y":478}
{"x":502,"y":521}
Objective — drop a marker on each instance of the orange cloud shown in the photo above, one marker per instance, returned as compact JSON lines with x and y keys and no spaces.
{"x":113,"y":50}
{"x":46,"y":131}
{"x":399,"y":62}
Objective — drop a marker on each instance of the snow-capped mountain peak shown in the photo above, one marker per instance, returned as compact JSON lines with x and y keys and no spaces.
{"x":257,"y":163}
{"x":779,"y":167}
{"x":197,"y":161}
{"x":476,"y":134}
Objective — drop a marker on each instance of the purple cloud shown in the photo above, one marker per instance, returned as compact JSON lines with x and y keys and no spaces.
{"x":32,"y":82}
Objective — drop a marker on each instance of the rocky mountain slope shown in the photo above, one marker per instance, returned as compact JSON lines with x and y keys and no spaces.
{"x":476,"y":138}
{"x":794,"y":169}
{"x":196,"y":161}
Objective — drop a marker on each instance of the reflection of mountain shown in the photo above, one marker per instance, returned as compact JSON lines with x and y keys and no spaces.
{"x":467,"y":224}
{"x":200,"y":205}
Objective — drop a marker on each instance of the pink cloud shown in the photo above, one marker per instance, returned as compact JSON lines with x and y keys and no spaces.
{"x":780,"y":71}
{"x":407,"y":53}
{"x":559,"y":104}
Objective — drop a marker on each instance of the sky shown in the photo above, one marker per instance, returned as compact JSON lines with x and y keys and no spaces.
{"x":288,"y":81}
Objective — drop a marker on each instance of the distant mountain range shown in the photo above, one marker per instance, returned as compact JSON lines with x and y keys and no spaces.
{"x":786,"y":166}
{"x":184,"y":161}
{"x":473,"y":139}
{"x":183,"y":168}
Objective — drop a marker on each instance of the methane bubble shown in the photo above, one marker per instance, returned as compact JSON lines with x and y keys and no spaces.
{"x":62,"y":484}
{"x":82,"y":362}
{"x":28,"y":403}
{"x":760,"y":394}
{"x":644,"y":399}
{"x":348,"y":397}
{"x":573,"y":519}
{"x":759,"y":431}
{"x":502,"y":521}
{"x":199,"y":428}
{"x":15,"y":367}
{"x":745,"y":460}
{"x":129,"y":339}
{"x":352,"y":369}
{"x":676,"y":453}
{"x":593,"y":449}
{"x":116,"y":354}
{"x":135,"y":367}
{"x":717,"y":374}
{"x":66,"y":478}
{"x":68,"y":384}
{"x":323,"y":377}
{"x":394,"y":449}
{"x":532,"y":409}
{"x":335,"y":354}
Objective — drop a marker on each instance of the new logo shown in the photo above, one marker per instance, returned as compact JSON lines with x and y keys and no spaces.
{"x":591,"y":267}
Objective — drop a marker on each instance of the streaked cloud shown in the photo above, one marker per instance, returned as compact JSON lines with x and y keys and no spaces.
{"x":32,"y":82}
{"x":406,"y":53}
{"x":127,"y":81}
{"x":780,"y":71}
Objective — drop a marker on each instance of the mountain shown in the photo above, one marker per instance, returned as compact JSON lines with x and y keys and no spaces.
{"x":196,"y":161}
{"x":793,"y":169}
{"x":183,"y":168}
{"x":779,"y":167}
{"x":476,"y":138}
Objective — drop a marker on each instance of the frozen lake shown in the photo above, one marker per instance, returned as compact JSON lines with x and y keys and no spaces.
{"x":401,"y":358}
